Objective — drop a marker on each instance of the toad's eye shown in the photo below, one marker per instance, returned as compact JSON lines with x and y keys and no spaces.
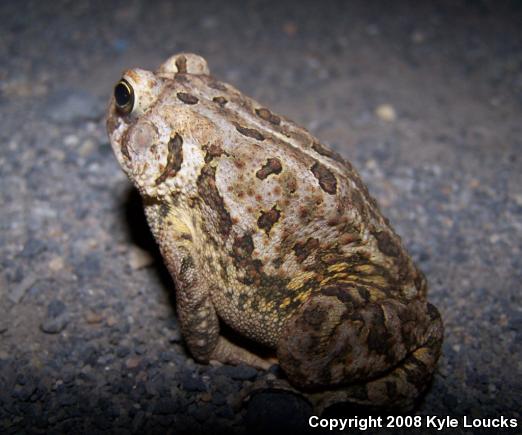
{"x":124,"y":96}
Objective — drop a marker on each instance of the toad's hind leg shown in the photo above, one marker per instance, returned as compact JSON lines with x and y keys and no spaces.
{"x":200,"y":328}
{"x":401,"y":386}
{"x":370,"y":352}
{"x":198,"y":318}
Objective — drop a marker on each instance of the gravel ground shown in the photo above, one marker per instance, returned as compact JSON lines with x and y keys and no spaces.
{"x":426,"y":101}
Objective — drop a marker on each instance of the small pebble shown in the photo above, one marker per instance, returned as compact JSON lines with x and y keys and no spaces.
{"x":92,"y":317}
{"x":386,"y":113}
{"x":206,"y":397}
{"x":473,"y":183}
{"x":189,"y":383}
{"x":122,"y":352}
{"x":56,"y":264}
{"x":54,"y":325}
{"x":111,"y":321}
{"x":133,"y":362}
{"x":139,"y":258}
{"x":55,"y":308}
{"x":18,"y":292}
{"x":87,"y":147}
{"x":71,"y":140}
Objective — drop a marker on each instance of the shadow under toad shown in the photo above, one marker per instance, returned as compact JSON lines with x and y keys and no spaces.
{"x":141,"y":236}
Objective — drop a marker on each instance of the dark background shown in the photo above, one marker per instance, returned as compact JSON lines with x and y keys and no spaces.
{"x":88,"y":335}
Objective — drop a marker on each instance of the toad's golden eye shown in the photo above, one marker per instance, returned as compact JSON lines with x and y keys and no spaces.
{"x":124,"y":96}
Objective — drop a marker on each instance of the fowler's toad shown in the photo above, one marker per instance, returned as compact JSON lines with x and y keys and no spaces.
{"x":272,"y":232}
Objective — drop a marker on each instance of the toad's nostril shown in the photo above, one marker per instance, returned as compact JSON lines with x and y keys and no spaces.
{"x":124,"y":96}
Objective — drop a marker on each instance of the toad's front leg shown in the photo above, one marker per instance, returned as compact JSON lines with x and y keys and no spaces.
{"x":197,"y":315}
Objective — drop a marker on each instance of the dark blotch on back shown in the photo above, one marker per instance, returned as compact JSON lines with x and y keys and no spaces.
{"x":242,"y":250}
{"x":181,"y":64}
{"x":415,"y":372}
{"x":303,"y":250}
{"x":249,"y":132}
{"x":243,"y":246}
{"x":208,"y":190}
{"x":340,"y":292}
{"x":268,"y":218}
{"x":378,"y":336}
{"x":187,"y":98}
{"x":358,"y":202}
{"x":364,"y":293}
{"x":272,"y":166}
{"x":386,"y":244}
{"x":220,"y":100}
{"x":315,"y":316}
{"x":213,"y":150}
{"x":268,"y":116}
{"x":326,"y":179}
{"x":174,"y":159}
{"x":321,"y":149}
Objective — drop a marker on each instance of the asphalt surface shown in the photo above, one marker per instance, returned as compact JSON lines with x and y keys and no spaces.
{"x":425,"y":100}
